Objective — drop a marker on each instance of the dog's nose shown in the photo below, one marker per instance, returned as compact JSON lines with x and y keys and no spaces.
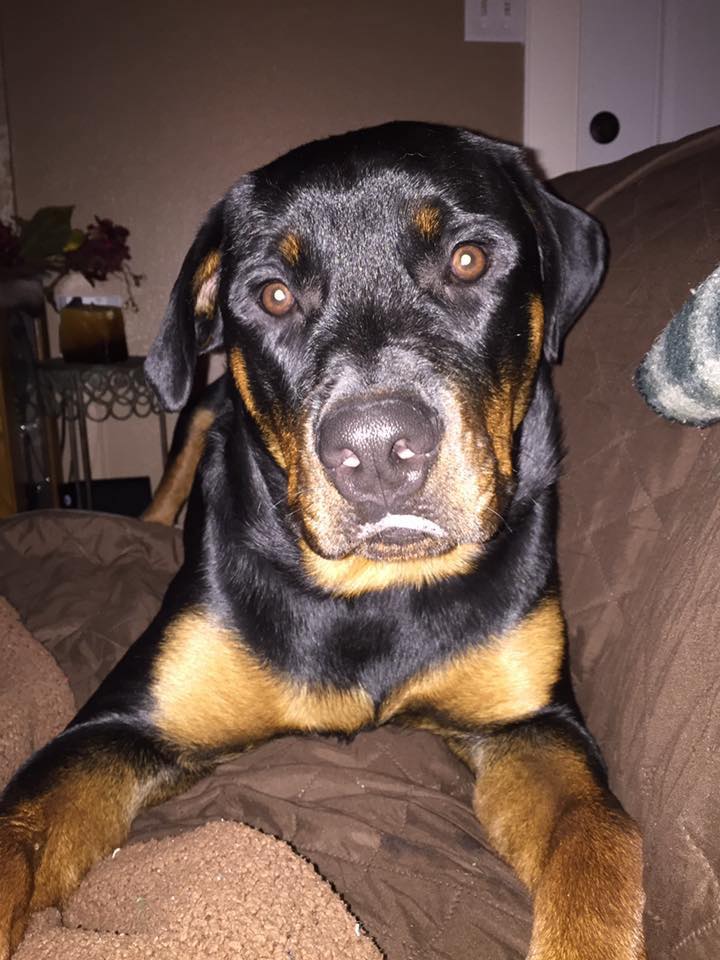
{"x":378,"y":452}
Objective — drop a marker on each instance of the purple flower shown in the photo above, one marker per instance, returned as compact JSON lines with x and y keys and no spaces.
{"x":103,"y":251}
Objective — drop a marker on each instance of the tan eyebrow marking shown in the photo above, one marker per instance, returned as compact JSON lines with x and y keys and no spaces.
{"x":205,"y":284}
{"x":290,"y":248}
{"x":427,"y":220}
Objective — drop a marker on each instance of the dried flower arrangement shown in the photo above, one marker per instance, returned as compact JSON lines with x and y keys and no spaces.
{"x":47,"y":246}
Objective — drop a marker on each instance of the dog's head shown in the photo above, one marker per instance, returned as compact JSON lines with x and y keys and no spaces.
{"x":385,"y":299}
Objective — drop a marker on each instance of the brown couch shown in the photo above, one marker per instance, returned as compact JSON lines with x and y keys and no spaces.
{"x":387,"y":817}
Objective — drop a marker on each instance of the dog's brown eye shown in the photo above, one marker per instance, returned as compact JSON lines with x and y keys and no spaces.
{"x":277,"y":299}
{"x":468,"y":262}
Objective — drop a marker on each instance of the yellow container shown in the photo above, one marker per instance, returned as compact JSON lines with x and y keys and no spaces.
{"x":93,"y":331}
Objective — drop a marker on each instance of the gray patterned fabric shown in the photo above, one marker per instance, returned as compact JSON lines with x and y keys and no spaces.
{"x":680,"y":375}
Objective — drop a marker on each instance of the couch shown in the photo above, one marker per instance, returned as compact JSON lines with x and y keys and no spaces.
{"x":386,"y":818}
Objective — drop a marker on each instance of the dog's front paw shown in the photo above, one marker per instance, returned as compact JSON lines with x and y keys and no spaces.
{"x":16,"y":889}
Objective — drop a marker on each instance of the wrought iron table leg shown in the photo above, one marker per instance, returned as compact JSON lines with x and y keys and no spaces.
{"x":84,"y":445}
{"x":70,"y":425}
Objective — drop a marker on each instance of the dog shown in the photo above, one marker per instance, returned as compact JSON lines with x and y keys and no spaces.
{"x":370,"y":536}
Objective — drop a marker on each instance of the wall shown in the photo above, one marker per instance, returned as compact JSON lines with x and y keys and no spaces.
{"x":145,"y":111}
{"x":7,"y":197}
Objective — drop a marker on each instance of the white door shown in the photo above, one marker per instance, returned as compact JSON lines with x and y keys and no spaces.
{"x":604,"y":78}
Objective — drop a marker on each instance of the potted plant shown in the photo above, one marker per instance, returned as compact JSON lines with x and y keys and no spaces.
{"x":36,"y":254}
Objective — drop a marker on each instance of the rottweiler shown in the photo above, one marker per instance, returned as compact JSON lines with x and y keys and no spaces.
{"x":370,"y":536}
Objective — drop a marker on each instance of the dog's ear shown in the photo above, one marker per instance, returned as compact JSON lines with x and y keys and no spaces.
{"x":572,"y":250}
{"x":192,"y":324}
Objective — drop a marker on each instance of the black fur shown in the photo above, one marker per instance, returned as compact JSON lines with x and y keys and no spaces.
{"x":242,"y":553}
{"x":376,"y":310}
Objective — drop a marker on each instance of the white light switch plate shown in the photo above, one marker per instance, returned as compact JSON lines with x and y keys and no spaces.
{"x":495,"y":21}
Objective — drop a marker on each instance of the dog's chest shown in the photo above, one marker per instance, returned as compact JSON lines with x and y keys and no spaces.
{"x":212,"y":688}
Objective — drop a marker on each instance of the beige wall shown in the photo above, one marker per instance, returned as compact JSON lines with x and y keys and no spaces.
{"x":7,"y":196}
{"x":145,"y":111}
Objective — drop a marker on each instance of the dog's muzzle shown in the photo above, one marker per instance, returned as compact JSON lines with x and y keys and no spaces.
{"x":377,"y":452}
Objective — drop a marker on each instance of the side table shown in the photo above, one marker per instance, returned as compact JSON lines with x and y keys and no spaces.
{"x":77,"y":392}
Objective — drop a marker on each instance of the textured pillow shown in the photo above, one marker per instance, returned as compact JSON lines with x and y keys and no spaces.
{"x":223,"y":891}
{"x":35,"y":698}
{"x":680,"y":376}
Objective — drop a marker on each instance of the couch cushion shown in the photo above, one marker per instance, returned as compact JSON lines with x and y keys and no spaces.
{"x":640,"y":536}
{"x":86,"y":584}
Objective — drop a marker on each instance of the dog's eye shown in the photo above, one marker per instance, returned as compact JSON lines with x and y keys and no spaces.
{"x":468,"y":262}
{"x":276,"y":299}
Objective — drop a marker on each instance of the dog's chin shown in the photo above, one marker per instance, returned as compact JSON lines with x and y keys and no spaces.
{"x":404,"y":545}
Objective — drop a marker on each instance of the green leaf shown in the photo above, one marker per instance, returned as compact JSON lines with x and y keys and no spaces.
{"x":45,"y":234}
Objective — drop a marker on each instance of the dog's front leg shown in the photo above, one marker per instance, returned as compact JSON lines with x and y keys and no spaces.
{"x":548,"y":813}
{"x":71,"y":804}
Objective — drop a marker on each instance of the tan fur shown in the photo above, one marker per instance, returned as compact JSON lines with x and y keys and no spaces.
{"x":498,"y":417}
{"x":581,"y":857}
{"x":427,"y":220}
{"x":508,"y":401}
{"x":48,"y":843}
{"x":354,"y":575}
{"x":265,"y":425}
{"x":59,"y":835}
{"x":537,"y":334}
{"x":313,"y":496}
{"x":211,"y":692}
{"x":506,"y":679}
{"x":177,"y":480}
{"x":290,"y":249}
{"x":205,"y":284}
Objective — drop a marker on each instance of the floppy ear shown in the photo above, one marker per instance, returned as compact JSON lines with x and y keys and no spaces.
{"x":573,"y":250}
{"x":192,"y":323}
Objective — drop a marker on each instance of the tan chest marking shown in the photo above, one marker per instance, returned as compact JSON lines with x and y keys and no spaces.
{"x":508,"y":678}
{"x":211,"y":692}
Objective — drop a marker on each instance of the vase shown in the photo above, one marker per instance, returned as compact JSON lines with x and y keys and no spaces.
{"x":92,"y":330}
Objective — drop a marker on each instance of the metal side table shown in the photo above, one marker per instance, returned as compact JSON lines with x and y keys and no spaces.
{"x":77,"y":392}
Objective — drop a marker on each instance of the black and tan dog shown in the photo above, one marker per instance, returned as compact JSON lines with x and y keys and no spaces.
{"x":370,"y":538}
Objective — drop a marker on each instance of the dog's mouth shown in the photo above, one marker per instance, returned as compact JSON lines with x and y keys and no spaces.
{"x":402,"y":528}
{"x":399,"y":536}
{"x":403,"y":536}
